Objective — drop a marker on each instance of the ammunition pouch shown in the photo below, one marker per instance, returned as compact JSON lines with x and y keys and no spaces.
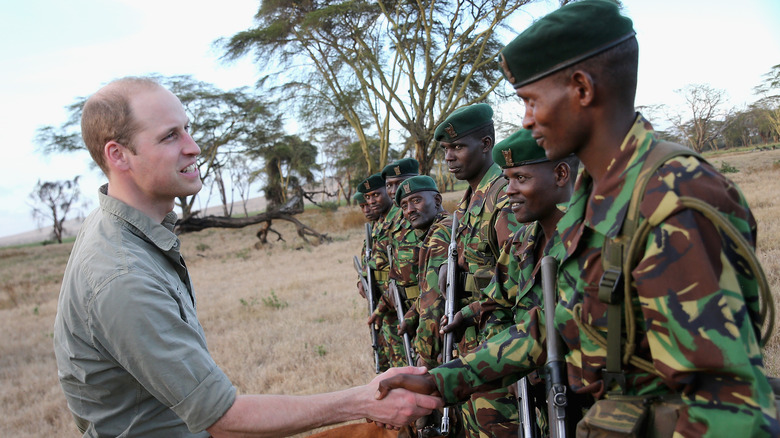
{"x":381,"y":276}
{"x":408,"y":295}
{"x":473,"y":284}
{"x":631,"y":416}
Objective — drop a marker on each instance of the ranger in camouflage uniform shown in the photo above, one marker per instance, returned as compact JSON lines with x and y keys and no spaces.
{"x":405,"y":248}
{"x":484,"y":224}
{"x":694,"y":298}
{"x":537,"y":189}
{"x":375,"y":194}
{"x":421,"y":204}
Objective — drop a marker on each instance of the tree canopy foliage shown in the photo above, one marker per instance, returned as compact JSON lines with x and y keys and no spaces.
{"x":378,"y":65}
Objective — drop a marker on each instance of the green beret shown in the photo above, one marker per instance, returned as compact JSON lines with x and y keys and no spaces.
{"x":517,"y":150}
{"x":419,"y":183}
{"x":359,"y":198}
{"x":402,"y":167}
{"x":463,"y":121}
{"x":563,"y":38}
{"x":373,"y":182}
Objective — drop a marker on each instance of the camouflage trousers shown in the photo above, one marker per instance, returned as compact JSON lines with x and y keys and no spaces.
{"x":395,"y":344}
{"x":428,"y":341}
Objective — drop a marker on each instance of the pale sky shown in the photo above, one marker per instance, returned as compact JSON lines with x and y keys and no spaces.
{"x":53,"y":52}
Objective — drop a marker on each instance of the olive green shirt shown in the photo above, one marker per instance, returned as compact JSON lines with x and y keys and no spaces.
{"x":131,"y":353}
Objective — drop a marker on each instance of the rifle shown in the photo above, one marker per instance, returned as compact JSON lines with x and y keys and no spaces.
{"x":449,"y":308}
{"x":399,"y":308}
{"x":368,"y":288}
{"x":525,"y":409}
{"x":555,"y":366}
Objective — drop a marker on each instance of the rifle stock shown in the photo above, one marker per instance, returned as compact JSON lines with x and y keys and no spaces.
{"x":555,"y":366}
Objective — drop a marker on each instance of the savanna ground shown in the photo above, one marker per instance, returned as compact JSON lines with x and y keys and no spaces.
{"x":282,"y":318}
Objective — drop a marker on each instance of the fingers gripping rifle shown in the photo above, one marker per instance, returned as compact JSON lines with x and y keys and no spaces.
{"x":399,"y":308}
{"x":555,"y":366}
{"x":368,"y":288}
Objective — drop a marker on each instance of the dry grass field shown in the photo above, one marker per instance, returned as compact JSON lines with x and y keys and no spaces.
{"x":283,"y":318}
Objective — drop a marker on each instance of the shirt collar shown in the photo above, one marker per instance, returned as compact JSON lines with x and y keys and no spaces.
{"x":160,"y":234}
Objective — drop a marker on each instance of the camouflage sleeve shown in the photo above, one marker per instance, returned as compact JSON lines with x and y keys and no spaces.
{"x":695,"y":293}
{"x":498,"y":362}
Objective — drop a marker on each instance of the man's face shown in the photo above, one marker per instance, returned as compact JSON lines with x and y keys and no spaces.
{"x":378,"y":201}
{"x":367,"y":212}
{"x":420,"y":208}
{"x":531,"y":191}
{"x":551,"y":117}
{"x":392,"y":183}
{"x":163,"y":166}
{"x":465,"y":157}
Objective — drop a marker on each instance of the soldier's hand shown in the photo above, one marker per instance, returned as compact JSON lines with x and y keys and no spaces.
{"x":458,"y":325}
{"x":405,"y":328}
{"x":443,"y":279}
{"x":458,"y":322}
{"x":375,"y":319}
{"x":360,"y":289}
{"x":419,"y":383}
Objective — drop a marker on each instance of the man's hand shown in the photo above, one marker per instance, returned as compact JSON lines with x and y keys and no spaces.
{"x":375,"y":319}
{"x":360,"y":289}
{"x":443,"y":280}
{"x":420,"y":383}
{"x":400,"y":407}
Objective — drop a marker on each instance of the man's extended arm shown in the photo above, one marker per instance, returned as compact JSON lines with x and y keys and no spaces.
{"x":283,"y":415}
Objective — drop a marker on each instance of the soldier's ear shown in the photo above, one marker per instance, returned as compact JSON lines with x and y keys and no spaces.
{"x":437,"y":197}
{"x":581,"y":85}
{"x":562,"y":173}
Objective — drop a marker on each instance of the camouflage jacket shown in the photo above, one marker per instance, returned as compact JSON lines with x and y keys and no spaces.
{"x":696,"y":305}
{"x":516,"y":287}
{"x":396,"y":232}
{"x":430,"y":306}
{"x":485,"y":223}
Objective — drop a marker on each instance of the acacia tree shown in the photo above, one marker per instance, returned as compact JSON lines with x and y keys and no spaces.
{"x":222,"y":123}
{"x":53,"y":200}
{"x":288,"y":163}
{"x":379,"y":64}
{"x":769,"y":90}
{"x":708,"y":118}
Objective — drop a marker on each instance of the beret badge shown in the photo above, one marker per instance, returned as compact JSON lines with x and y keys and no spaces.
{"x":451,"y":131}
{"x":508,"y":157}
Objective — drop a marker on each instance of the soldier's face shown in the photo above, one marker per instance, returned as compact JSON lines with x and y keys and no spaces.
{"x":420,"y":208}
{"x":392,"y":183}
{"x":531,"y":190}
{"x":378,"y":201}
{"x":551,"y":113}
{"x":465,"y":157}
{"x":367,"y":212}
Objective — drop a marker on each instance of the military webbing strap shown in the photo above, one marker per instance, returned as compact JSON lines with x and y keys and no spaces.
{"x":619,"y":256}
{"x":613,"y":257}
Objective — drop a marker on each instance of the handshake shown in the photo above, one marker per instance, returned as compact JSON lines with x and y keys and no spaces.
{"x":403,"y":395}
